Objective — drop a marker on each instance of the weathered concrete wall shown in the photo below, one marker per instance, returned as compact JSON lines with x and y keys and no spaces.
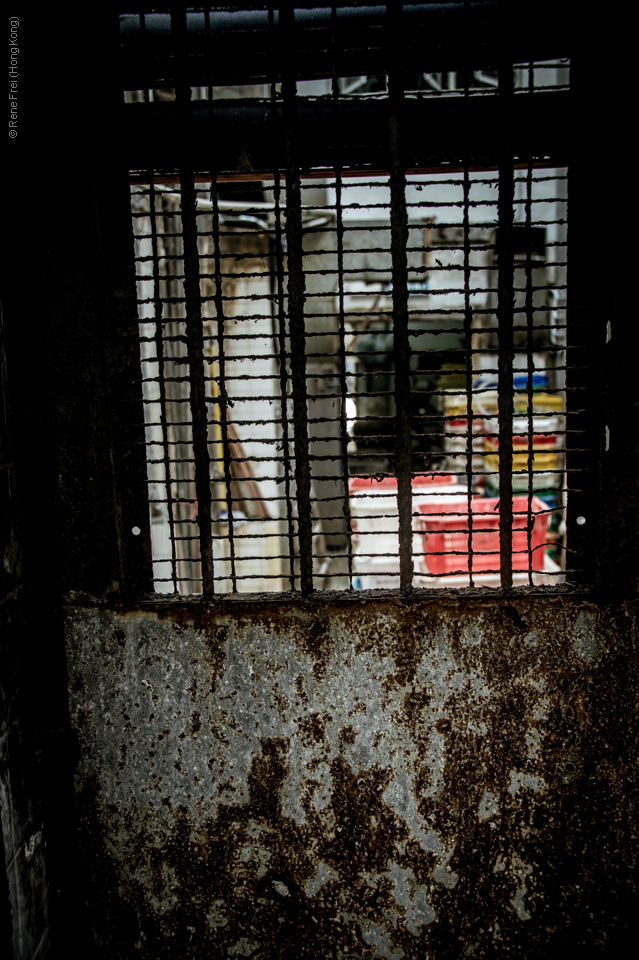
{"x":440,"y":779}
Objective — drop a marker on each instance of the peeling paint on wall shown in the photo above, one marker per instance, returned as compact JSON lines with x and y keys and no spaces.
{"x":385,"y":781}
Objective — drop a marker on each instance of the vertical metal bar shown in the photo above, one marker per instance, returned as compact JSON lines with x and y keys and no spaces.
{"x":143,"y":47}
{"x":529,"y":364}
{"x":399,"y":240}
{"x":296,"y":298}
{"x":529,"y":342}
{"x":505,"y":293}
{"x":195,"y":352}
{"x":193,"y":304}
{"x":281,"y":316}
{"x":159,"y":347}
{"x":340,"y":297}
{"x":129,"y":426}
{"x":286,"y":440}
{"x":220,"y":318}
{"x":221,"y":370}
{"x":468,"y":314}
{"x":159,"y":350}
{"x":468,"y":324}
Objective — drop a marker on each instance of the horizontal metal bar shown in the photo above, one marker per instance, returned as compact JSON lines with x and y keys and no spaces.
{"x":538,"y":129}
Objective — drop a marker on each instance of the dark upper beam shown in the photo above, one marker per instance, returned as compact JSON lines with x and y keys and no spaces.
{"x":437,"y":130}
{"x":238,"y":48}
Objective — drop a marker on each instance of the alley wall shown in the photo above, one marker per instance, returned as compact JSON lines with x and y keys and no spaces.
{"x":446,"y":778}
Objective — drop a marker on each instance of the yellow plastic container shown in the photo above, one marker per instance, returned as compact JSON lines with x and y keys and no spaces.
{"x":548,"y":460}
{"x":486,"y":403}
{"x":455,"y":405}
{"x":541,"y":402}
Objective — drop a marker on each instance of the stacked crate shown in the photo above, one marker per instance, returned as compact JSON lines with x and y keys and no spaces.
{"x":375,"y":521}
{"x":449,"y":536}
{"x":544,"y":455}
{"x":545,"y":479}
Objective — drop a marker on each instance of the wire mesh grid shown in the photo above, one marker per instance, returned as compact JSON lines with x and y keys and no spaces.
{"x":334,"y":358}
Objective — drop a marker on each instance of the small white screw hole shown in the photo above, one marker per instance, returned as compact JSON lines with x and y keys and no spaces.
{"x":581,"y":521}
{"x":136,"y":531}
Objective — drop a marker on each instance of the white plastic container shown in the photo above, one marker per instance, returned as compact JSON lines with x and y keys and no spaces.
{"x":455,"y":445}
{"x":375,"y":518}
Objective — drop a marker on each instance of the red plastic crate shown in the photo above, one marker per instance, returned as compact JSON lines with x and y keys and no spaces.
{"x":445,"y":534}
{"x":390,"y":483}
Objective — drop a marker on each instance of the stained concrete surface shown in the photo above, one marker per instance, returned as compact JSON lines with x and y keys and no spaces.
{"x":334,"y":779}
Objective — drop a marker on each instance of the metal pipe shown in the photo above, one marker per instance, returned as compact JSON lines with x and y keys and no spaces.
{"x":257,"y":21}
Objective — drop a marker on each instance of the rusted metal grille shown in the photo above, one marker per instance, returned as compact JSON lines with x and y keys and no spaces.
{"x":354,"y":363}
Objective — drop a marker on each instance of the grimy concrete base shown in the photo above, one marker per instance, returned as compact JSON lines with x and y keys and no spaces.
{"x":440,"y":779}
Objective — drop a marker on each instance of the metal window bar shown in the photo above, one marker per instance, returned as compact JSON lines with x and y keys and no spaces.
{"x":386,"y":309}
{"x":218,"y":363}
{"x":292,"y":542}
{"x":468,"y":320}
{"x":451,"y":249}
{"x":401,"y":344}
{"x":529,"y":345}
{"x":193,"y":304}
{"x":505,"y":324}
{"x":296,"y":300}
{"x":162,"y":383}
{"x":341,"y":320}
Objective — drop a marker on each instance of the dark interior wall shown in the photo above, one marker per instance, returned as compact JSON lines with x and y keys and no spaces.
{"x":51,"y":288}
{"x":601,"y":296}
{"x":24,"y":928}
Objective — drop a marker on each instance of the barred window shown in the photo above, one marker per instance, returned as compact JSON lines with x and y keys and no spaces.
{"x":351,"y":282}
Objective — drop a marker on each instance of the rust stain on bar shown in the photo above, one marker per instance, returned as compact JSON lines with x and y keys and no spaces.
{"x":196,"y":377}
{"x":193,"y":309}
{"x":159,"y":347}
{"x":218,"y":300}
{"x":399,"y":240}
{"x":342,"y":326}
{"x":283,"y":380}
{"x":468,"y":324}
{"x":323,"y":172}
{"x":223,"y":393}
{"x":505,"y":294}
{"x":281,"y":327}
{"x":296,"y":288}
{"x":529,"y":360}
